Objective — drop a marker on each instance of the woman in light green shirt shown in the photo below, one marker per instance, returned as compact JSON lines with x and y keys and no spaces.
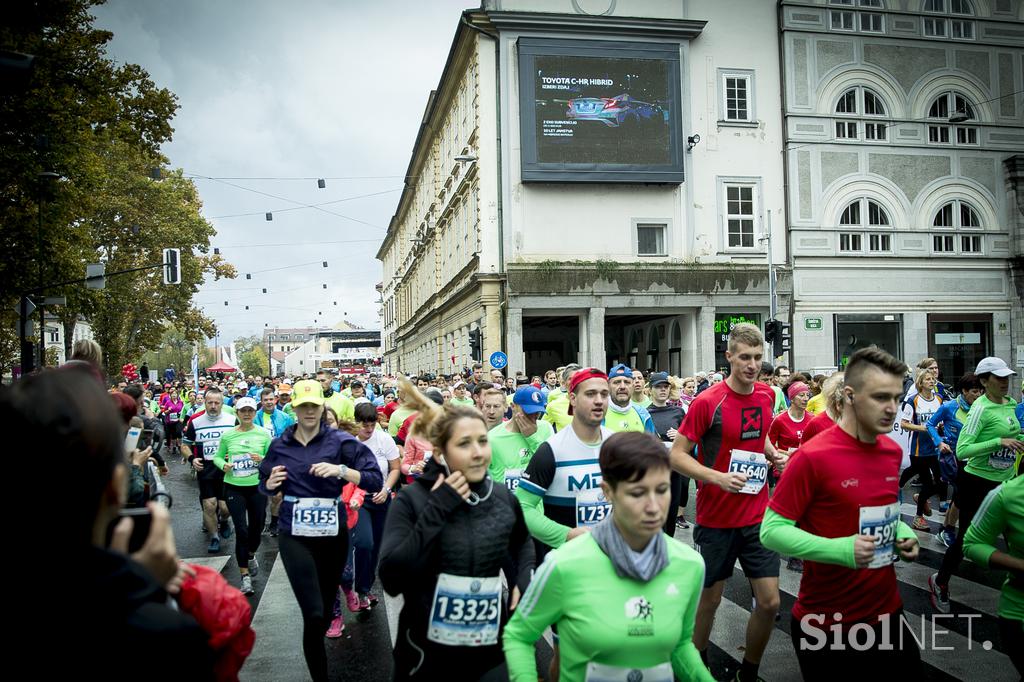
{"x":239,"y":455}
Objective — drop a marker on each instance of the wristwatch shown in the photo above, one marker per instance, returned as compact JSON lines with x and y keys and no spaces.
{"x":342,"y":471}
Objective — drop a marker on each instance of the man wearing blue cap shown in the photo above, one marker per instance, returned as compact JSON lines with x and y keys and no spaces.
{"x":623,"y":413}
{"x":514,"y":442}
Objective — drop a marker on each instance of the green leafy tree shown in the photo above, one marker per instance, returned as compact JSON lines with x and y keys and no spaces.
{"x":254,"y":361}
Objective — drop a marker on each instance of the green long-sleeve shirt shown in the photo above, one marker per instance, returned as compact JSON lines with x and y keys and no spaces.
{"x":1002,"y":513}
{"x":782,"y":535}
{"x":606,"y":620}
{"x":511,"y":452}
{"x":979,"y":443}
{"x":238,"y":447}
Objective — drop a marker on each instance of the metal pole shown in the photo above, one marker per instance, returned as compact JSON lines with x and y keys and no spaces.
{"x":39,"y":270}
{"x":771,"y":272}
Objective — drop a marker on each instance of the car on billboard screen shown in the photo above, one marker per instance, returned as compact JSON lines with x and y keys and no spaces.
{"x":614,"y":111}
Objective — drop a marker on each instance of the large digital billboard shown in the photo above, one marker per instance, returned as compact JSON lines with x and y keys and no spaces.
{"x":595,"y":111}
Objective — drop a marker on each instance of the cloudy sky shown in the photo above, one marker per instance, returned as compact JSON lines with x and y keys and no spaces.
{"x":273,"y":96}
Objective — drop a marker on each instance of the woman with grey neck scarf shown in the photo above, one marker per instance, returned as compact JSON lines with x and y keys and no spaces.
{"x":624,"y":596}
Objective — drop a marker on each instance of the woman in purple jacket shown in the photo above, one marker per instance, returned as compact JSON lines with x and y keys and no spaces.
{"x":310,"y":463}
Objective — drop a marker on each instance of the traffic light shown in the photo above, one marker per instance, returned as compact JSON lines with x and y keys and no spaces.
{"x":770,"y":331}
{"x":475,"y":344}
{"x":783,"y":338}
{"x":172,"y":266}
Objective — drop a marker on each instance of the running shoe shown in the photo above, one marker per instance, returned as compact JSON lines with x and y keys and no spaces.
{"x":254,"y":567}
{"x":920,"y":523}
{"x":939,"y":595}
{"x":337,"y":627}
{"x":225,"y":529}
{"x":943,"y":506}
{"x":214,"y":545}
{"x":351,"y":600}
{"x":373,"y":598}
{"x":246,"y":586}
{"x":927,"y":505}
{"x":364,"y":603}
{"x":947,"y":536}
{"x":795,"y":564}
{"x":682,"y":523}
{"x":273,"y":529}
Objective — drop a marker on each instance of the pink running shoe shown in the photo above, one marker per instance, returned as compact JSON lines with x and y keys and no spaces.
{"x":337,"y":627}
{"x":351,"y":600}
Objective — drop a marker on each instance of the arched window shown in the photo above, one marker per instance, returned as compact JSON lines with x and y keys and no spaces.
{"x":953,"y":25}
{"x":871,"y":218}
{"x":952,"y":107}
{"x":862,"y":103}
{"x":956,"y":216}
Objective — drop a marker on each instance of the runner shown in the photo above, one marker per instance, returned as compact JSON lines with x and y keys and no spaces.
{"x":730,"y":422}
{"x":951,"y":418}
{"x":787,"y":429}
{"x":310,"y":464}
{"x":284,"y":399}
{"x":238,"y":455}
{"x":557,"y":413}
{"x":924,"y":455}
{"x":199,"y":445}
{"x":832,"y":389}
{"x":342,"y":406}
{"x":271,"y":419}
{"x":624,"y":414}
{"x":445,"y":543}
{"x":1002,"y":513}
{"x":560,"y":489}
{"x":493,"y":406}
{"x":667,"y":419}
{"x":514,"y":442}
{"x":639,"y":395}
{"x":990,"y":441}
{"x":459,"y":396}
{"x":841,"y":490}
{"x":624,"y":597}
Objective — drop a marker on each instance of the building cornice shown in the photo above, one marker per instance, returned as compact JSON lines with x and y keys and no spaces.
{"x":632,"y":27}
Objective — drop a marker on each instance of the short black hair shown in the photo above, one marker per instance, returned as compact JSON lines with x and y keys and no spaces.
{"x":628,"y":456}
{"x":365,"y":412}
{"x":970,"y":381}
{"x":875,"y":357}
{"x":134,"y":391}
{"x":767,"y":368}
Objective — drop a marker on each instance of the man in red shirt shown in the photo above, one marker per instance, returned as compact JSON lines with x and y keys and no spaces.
{"x":730,"y":422}
{"x":841,"y":489}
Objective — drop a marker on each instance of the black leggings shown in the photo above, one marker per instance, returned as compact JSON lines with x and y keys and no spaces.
{"x":970,"y":493}
{"x":931,"y":479}
{"x":680,"y":494}
{"x":1011,"y":632}
{"x":818,"y":660}
{"x":248,"y":507}
{"x":314,"y":566}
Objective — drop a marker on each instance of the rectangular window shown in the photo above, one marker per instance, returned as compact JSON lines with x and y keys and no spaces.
{"x":942,"y":243}
{"x":871,"y":22}
{"x":970,"y":243}
{"x":841,"y":20}
{"x":846,"y":130}
{"x":935,"y":28}
{"x":737,"y":96}
{"x":961,"y":30}
{"x":54,"y":337}
{"x":874,"y":131}
{"x":740,"y":216}
{"x":966,"y":135}
{"x":650,"y":239}
{"x":880,"y":243}
{"x":960,"y":7}
{"x":850,"y":242}
{"x":938,"y":134}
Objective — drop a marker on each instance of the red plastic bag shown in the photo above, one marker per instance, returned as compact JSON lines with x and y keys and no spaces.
{"x":224,"y":613}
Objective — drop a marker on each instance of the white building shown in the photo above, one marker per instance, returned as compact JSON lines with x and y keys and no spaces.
{"x":55,"y":335}
{"x":905,"y":160}
{"x":618,"y":169}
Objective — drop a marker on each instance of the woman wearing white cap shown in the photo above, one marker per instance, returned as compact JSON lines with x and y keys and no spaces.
{"x":990,"y":441}
{"x":239,"y":455}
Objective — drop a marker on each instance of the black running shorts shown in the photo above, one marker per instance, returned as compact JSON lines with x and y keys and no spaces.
{"x":721,"y":547}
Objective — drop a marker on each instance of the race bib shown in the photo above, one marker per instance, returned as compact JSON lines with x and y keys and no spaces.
{"x":173,"y":416}
{"x":243,"y":466}
{"x":613,"y":673}
{"x":754,"y":465}
{"x":466,"y":611}
{"x":592,"y":507}
{"x":209,"y":450}
{"x":315,"y":517}
{"x":512,"y":477}
{"x":881,"y":522}
{"x":1002,"y":460}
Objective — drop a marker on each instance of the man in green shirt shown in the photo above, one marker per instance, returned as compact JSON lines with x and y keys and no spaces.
{"x":623,"y":414}
{"x":514,"y":442}
{"x":344,"y":408}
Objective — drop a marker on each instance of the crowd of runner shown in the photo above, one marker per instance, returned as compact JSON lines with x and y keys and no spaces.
{"x":502,"y":507}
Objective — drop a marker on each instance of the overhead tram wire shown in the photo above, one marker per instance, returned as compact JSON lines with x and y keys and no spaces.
{"x":305,"y":206}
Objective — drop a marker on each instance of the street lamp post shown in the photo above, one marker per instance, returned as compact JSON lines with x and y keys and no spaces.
{"x":43,"y":177}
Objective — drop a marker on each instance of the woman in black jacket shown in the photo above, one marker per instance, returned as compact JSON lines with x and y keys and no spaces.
{"x":447,"y":537}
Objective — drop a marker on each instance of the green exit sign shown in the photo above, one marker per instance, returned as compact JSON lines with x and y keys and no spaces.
{"x":812,"y":324}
